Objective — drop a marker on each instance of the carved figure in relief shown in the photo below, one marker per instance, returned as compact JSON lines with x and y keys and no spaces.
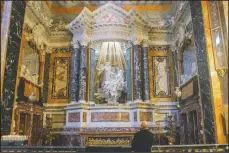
{"x":161,"y":78}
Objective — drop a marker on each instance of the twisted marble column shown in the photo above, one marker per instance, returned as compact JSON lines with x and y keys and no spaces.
{"x":145,"y":74}
{"x":82,"y":75}
{"x":75,"y":73}
{"x":137,"y":73}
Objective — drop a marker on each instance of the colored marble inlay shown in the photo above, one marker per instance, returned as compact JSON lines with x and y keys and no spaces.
{"x":58,"y":118}
{"x":46,"y":77}
{"x":109,"y":117}
{"x":74,"y":117}
{"x":61,"y":77}
{"x":146,"y":116}
{"x":135,"y":116}
{"x":109,"y":141}
{"x":84,"y":116}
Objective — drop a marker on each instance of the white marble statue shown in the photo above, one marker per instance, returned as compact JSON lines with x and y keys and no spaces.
{"x":113,"y":84}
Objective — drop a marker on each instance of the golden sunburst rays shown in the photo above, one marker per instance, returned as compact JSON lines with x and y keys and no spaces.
{"x":112,"y":53}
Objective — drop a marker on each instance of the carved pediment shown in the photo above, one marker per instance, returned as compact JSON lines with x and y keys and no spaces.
{"x":110,"y":18}
{"x":110,"y":14}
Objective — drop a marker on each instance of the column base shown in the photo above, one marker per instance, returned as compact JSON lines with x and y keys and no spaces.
{"x":73,"y":102}
{"x":147,"y":101}
{"x":138,"y":101}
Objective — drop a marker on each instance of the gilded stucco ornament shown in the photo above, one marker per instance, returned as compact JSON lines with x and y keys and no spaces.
{"x":221,"y":72}
{"x":36,"y":7}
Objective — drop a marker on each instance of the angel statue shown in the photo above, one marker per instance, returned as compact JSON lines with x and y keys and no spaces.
{"x":113,"y":84}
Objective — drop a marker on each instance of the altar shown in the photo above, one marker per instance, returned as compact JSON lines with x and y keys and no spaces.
{"x":110,"y":91}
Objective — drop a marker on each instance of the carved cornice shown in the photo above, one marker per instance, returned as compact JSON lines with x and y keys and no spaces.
{"x":35,"y":7}
{"x":63,"y":50}
{"x":165,"y":48}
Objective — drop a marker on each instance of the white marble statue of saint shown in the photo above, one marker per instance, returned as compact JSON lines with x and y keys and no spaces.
{"x":162,"y":77}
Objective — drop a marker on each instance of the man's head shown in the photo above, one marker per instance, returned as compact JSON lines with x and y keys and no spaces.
{"x":144,"y":125}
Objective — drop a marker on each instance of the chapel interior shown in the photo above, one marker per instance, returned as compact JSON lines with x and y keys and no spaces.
{"x":87,"y":73}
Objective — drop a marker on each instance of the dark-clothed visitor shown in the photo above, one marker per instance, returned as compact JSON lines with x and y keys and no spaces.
{"x":143,"y":139}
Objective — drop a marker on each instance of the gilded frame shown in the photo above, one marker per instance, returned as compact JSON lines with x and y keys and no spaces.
{"x":151,"y":54}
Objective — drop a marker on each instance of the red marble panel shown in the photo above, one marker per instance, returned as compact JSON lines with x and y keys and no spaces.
{"x":74,"y":117}
{"x":109,"y":117}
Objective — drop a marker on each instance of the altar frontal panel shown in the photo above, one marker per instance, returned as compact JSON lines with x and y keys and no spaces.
{"x":110,"y":117}
{"x":108,"y":141}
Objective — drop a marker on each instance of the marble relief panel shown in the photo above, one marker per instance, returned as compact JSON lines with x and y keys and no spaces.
{"x":109,"y":117}
{"x":61,"y":77}
{"x":161,"y":76}
{"x":74,"y":117}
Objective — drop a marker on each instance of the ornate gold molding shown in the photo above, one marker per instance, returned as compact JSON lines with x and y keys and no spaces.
{"x":151,"y":54}
{"x":221,"y":72}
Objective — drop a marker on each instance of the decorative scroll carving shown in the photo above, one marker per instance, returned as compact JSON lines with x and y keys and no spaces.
{"x":36,"y":7}
{"x":59,"y":26}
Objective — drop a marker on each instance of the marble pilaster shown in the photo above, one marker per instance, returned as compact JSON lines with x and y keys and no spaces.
{"x":137,"y":73}
{"x":145,"y":93}
{"x":93,"y":58}
{"x":11,"y":65}
{"x":46,"y":77}
{"x":128,"y":74}
{"x":82,"y":74}
{"x":75,"y":73}
{"x":203,"y":71}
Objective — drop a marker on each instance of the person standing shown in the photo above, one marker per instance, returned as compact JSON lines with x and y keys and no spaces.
{"x":143,"y":139}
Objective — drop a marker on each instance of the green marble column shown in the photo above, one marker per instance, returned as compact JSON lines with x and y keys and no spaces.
{"x":93,"y":59}
{"x":203,"y":71}
{"x":11,"y":66}
{"x":128,"y":74}
{"x":46,"y":77}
